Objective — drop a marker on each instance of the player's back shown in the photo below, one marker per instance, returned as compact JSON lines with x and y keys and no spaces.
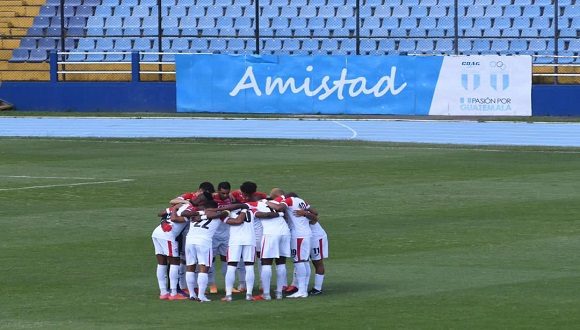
{"x":168,"y":229}
{"x":272,"y":226}
{"x":317,"y":230}
{"x":299,"y":225}
{"x":243,"y":234}
{"x":202,"y":232}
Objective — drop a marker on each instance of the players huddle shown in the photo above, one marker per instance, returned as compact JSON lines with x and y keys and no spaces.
{"x":244,"y":227}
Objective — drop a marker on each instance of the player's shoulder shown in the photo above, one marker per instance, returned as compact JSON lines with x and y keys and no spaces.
{"x":260,"y":195}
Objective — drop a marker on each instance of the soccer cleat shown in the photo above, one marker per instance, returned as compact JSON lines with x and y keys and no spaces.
{"x":298,"y":295}
{"x":164,"y":296}
{"x":262,"y":297}
{"x":184,"y":292}
{"x":178,"y":297}
{"x":240,"y":290}
{"x":213,"y":288}
{"x":227,"y":298}
{"x":249,"y":297}
{"x":193,"y":298}
{"x":291,"y":289}
{"x":278,"y":295}
{"x":314,"y":292}
{"x":203,"y":299}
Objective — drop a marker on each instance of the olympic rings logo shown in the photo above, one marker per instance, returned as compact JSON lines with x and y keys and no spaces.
{"x":497,"y":65}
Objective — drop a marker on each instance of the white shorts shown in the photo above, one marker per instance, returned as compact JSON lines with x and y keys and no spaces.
{"x":319,"y":248}
{"x":275,"y":246}
{"x":166,"y":247}
{"x":300,"y":248}
{"x":220,"y":247}
{"x":246,"y":252}
{"x":196,"y":254}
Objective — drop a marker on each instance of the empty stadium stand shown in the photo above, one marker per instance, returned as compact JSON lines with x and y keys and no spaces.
{"x":108,"y":30}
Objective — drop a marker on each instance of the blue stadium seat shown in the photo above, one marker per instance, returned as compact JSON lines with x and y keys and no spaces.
{"x":518,"y":46}
{"x":122,"y":11}
{"x":368,"y":47}
{"x":215,"y":11}
{"x":345,"y":12}
{"x":521,"y":23}
{"x":85,"y":11}
{"x":531,"y":11}
{"x":326,"y":11}
{"x":492,"y":32}
{"x":511,"y":32}
{"x":475,"y":11}
{"x":41,"y":21}
{"x":92,"y":2}
{"x":436,"y":32}
{"x":103,"y":11}
{"x":438,"y":11}
{"x":272,"y":45}
{"x":465,"y":46}
{"x":46,"y":44}
{"x":402,"y":11}
{"x":406,"y":46}
{"x":308,"y":12}
{"x":417,"y":32}
{"x":386,"y":46}
{"x":309,"y":45}
{"x":444,"y":46}
{"x":224,"y":22}
{"x":217,"y":45}
{"x":512,"y":11}
{"x":38,"y":55}
{"x":243,"y":23}
{"x":298,"y":23}
{"x":132,"y":22}
{"x":205,"y":22}
{"x":494,"y":11}
{"x":383,"y":11}
{"x":370,"y":23}
{"x":20,"y":55}
{"x":36,"y":32}
{"x":425,"y":46}
{"x":481,"y":46}
{"x":53,"y":32}
{"x":499,"y":45}
{"x":502,"y":23}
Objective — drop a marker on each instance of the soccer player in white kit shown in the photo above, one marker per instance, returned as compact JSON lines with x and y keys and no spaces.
{"x":300,"y":235}
{"x":275,"y":245}
{"x":198,"y":246}
{"x":167,"y":250}
{"x":241,"y":247}
{"x":319,"y":251}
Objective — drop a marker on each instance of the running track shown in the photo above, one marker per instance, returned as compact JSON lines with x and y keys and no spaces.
{"x":426,"y":131}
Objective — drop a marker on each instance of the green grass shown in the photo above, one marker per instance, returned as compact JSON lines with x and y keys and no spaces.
{"x":430,"y":237}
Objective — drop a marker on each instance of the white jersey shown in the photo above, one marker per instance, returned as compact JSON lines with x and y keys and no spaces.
{"x":272,"y":226}
{"x":299,"y":225}
{"x":169,"y":230}
{"x":317,"y":230}
{"x":202,"y":232}
{"x":244,"y":233}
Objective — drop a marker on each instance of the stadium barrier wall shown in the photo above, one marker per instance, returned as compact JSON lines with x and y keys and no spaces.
{"x":488,"y":85}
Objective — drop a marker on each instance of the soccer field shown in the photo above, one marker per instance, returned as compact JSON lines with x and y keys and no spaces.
{"x":430,"y":237}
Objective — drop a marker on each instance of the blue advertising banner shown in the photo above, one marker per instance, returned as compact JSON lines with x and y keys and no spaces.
{"x":306,"y":84}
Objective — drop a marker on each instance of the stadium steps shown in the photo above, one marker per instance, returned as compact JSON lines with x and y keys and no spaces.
{"x":16,"y":17}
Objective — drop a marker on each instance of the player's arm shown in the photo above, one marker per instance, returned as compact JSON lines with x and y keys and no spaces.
{"x":210,"y":214}
{"x":177,"y":218}
{"x":279,"y":207}
{"x":269,"y":215}
{"x":232,"y":207}
{"x":306,"y":213}
{"x":237,"y":220}
{"x":164,"y":212}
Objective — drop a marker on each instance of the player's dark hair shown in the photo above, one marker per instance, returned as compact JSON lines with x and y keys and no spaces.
{"x":208,"y":196}
{"x":224,"y":185}
{"x":211,"y":204}
{"x":207,"y":186}
{"x":248,"y":188}
{"x":291,"y":194}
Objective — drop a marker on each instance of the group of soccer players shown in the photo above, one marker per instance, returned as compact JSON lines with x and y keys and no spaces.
{"x":243,"y":227}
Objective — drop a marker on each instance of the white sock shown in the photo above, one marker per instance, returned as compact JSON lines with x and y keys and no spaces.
{"x":281,"y":280}
{"x":266,"y":276}
{"x":202,"y":279}
{"x":241,"y":275}
{"x":162,"y":278}
{"x":182,"y":279}
{"x":190,"y":276}
{"x":230,"y":279}
{"x":318,"y":279}
{"x":301,"y":277}
{"x":308,"y":272}
{"x":249,"y":279}
{"x":211,"y":275}
{"x":224,"y":265}
{"x":173,"y":278}
{"x":294,"y":280}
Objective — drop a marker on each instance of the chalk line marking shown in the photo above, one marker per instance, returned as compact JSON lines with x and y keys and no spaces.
{"x":354,"y":133}
{"x":46,"y":177}
{"x":67,"y":185}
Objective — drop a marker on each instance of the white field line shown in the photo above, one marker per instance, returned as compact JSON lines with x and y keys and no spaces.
{"x":443,"y":147}
{"x":46,"y":177}
{"x":67,"y":185}
{"x":354,"y":132}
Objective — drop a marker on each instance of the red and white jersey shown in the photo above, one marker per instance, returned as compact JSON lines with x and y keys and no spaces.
{"x":240,"y":198}
{"x":168,"y":229}
{"x":299,"y":226}
{"x":189,"y":196}
{"x":202,"y":232}
{"x":222,"y":202}
{"x":317,"y":230}
{"x":272,"y":226}
{"x":243,"y":234}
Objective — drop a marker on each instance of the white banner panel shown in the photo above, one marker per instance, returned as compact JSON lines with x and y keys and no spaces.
{"x":486,"y":85}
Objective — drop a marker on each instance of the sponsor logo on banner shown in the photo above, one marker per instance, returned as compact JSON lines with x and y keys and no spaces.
{"x":484,"y":86}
